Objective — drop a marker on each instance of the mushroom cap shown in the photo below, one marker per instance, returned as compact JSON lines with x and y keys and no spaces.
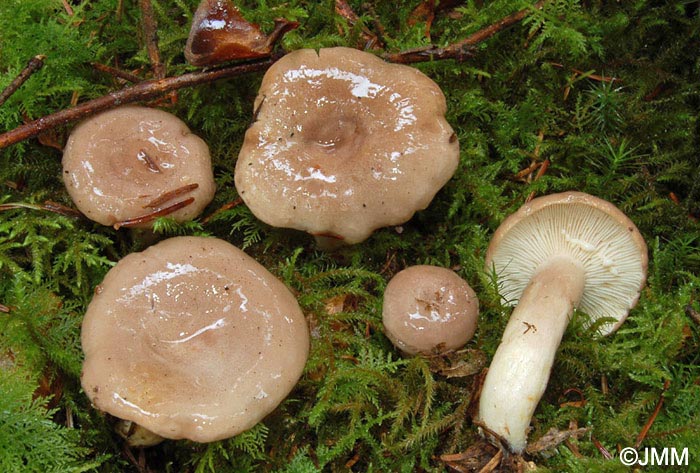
{"x":117,"y":163}
{"x":220,"y":33}
{"x":193,"y":339}
{"x":344,"y":143}
{"x":428,"y":307}
{"x":590,"y":230}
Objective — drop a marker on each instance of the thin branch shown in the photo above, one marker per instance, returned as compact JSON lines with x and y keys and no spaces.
{"x":128,"y":76}
{"x":344,"y":10}
{"x":227,"y":206}
{"x":48,"y":205}
{"x":543,"y":169}
{"x":588,"y":75}
{"x":152,"y":89}
{"x":493,"y":463}
{"x":150,"y":30}
{"x":167,"y":196}
{"x":67,"y":7}
{"x":34,"y":64}
{"x":463,"y":49}
{"x":659,"y":404}
{"x":143,"y":91}
{"x":601,"y":448}
{"x":149,"y":217}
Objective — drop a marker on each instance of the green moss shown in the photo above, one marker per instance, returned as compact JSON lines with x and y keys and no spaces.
{"x":539,"y":90}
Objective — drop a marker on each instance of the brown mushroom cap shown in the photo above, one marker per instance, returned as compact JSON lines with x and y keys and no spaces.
{"x":219,"y":32}
{"x":586,"y":229}
{"x":428,"y":307}
{"x":192,"y":339}
{"x":344,"y":143}
{"x":116,"y":166}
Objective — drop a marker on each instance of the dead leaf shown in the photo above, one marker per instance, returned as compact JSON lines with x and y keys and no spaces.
{"x":473,"y":458}
{"x":458,"y":364}
{"x":553,"y":438}
{"x":335,"y":304}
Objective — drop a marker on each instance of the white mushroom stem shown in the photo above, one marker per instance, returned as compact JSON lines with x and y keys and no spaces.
{"x":520,"y":369}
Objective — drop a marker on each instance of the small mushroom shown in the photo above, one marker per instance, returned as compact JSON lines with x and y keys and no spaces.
{"x":344,"y":143}
{"x":429,"y":309}
{"x":192,"y":339}
{"x":126,"y":166}
{"x":555,"y":254}
{"x":219,"y":33}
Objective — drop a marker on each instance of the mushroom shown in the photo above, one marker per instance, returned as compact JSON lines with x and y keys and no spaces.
{"x":126,"y":166}
{"x":555,"y":254}
{"x":219,"y":33}
{"x":192,"y":339}
{"x":428,"y":309}
{"x":344,"y":143}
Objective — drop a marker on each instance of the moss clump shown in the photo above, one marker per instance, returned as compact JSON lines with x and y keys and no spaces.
{"x":541,"y":91}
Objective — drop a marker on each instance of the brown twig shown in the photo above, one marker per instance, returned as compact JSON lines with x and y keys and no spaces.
{"x":67,"y":7}
{"x":391,"y":257}
{"x":581,"y":398}
{"x":143,"y":91}
{"x":170,"y":195}
{"x":343,"y":9}
{"x":61,"y":209}
{"x":524,"y":175}
{"x":455,"y":457}
{"x":604,"y":388}
{"x":226,"y":206}
{"x":573,"y":448}
{"x":127,"y":76}
{"x":150,"y":32}
{"x":540,"y":172}
{"x":464,"y":48}
{"x":601,"y":448}
{"x":588,"y":75}
{"x":493,"y":463}
{"x":645,"y":430}
{"x":48,"y":205}
{"x":350,"y":463}
{"x":149,"y":217}
{"x":34,"y":64}
{"x":156,"y":88}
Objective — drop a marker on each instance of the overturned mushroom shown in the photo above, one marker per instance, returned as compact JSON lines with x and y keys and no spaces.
{"x":126,"y":166}
{"x":344,"y":143}
{"x":192,"y":339}
{"x":554,"y":255}
{"x":428,"y":308}
{"x":219,"y":33}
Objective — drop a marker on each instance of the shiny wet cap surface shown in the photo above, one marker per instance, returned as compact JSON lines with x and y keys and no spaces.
{"x":344,"y":143}
{"x":428,"y":309}
{"x":119,"y":164}
{"x":192,"y":339}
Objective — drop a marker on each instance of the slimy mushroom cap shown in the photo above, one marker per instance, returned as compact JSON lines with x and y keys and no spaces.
{"x":130,"y":161}
{"x":344,"y":143}
{"x":428,"y":308}
{"x":193,"y":339}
